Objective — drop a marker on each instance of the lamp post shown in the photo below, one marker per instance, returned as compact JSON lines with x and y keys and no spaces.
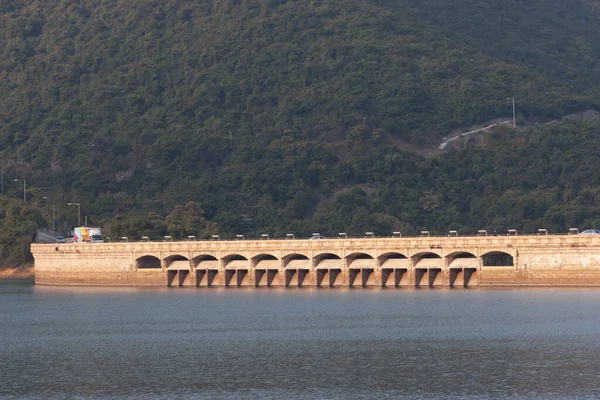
{"x":514,"y":114}
{"x":24,"y":188}
{"x":78,"y":212}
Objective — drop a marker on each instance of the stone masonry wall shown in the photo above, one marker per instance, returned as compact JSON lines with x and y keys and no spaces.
{"x":566,"y":260}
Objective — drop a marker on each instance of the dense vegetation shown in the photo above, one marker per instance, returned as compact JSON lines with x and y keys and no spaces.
{"x":197,"y":117}
{"x":19,"y":224}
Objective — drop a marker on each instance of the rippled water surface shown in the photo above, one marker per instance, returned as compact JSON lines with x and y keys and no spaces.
{"x":297,"y":343}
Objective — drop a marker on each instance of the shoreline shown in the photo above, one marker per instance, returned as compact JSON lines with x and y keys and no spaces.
{"x":24,"y":272}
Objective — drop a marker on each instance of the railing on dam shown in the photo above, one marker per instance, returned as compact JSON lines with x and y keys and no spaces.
{"x":367,"y":235}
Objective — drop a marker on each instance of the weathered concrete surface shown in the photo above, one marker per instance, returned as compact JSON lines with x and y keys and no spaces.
{"x":566,"y":260}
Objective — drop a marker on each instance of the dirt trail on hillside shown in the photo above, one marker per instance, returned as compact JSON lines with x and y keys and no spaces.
{"x":456,"y":136}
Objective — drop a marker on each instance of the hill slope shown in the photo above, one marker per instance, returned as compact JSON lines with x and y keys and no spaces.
{"x":271,"y":113}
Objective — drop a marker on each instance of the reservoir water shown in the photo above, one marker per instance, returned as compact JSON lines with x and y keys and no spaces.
{"x":114,"y":343}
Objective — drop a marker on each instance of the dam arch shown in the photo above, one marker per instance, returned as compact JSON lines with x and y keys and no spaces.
{"x":427,"y":259}
{"x":207,"y":270}
{"x":205,"y":261}
{"x":266,"y":269}
{"x":232,"y":261}
{"x":177,"y":261}
{"x":237,"y":270}
{"x":178,"y":270}
{"x":394,"y":269}
{"x":265,"y":261}
{"x":463,"y":267}
{"x":148,"y":262}
{"x":428,"y":269}
{"x":296,"y":267}
{"x":350,"y":258}
{"x":497,"y":259}
{"x":329,"y":269}
{"x":462,"y":259}
{"x":361,"y":269}
{"x":296,"y":261}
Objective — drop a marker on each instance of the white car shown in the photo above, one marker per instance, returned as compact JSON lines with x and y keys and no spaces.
{"x":317,"y":237}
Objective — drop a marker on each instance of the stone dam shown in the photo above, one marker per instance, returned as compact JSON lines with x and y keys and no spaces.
{"x":426,"y":262}
{"x":537,"y":260}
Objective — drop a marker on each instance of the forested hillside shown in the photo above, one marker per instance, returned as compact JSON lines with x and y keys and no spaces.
{"x":298,"y":115}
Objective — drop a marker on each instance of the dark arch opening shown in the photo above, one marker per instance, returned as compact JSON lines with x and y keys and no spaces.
{"x":291,"y":257}
{"x":421,"y":256}
{"x":148,"y":262}
{"x":358,"y":256}
{"x":296,"y":260}
{"x":257,"y":260}
{"x":169,"y":260}
{"x":429,"y":255}
{"x":459,"y":254}
{"x":392,"y":256}
{"x":232,"y":262}
{"x":392,"y":260}
{"x":233,"y":257}
{"x":498,"y":259}
{"x":198,"y":259}
{"x":262,"y":257}
{"x":326,"y":256}
{"x":462,"y":254}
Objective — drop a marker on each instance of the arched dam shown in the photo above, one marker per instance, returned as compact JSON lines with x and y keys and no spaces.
{"x":429,"y":262}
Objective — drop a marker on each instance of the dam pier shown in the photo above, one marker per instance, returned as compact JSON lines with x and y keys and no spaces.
{"x":423,"y":262}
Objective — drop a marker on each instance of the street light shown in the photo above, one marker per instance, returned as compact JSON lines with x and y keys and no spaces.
{"x":24,"y":189}
{"x":514,"y":115}
{"x":78,"y":212}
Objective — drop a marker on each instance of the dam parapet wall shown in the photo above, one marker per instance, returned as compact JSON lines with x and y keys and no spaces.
{"x":534,"y":260}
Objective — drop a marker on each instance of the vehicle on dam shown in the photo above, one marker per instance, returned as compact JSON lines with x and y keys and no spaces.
{"x":590,"y":232}
{"x":86,"y":234}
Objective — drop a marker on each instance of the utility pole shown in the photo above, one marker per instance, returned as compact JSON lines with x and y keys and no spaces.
{"x":78,"y":212}
{"x":514,"y":114}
